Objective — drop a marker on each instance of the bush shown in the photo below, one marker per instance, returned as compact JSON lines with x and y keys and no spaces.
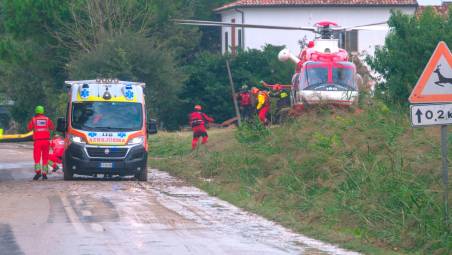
{"x":252,"y":132}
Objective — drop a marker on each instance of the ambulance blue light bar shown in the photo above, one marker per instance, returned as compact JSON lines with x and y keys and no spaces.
{"x":104,"y":81}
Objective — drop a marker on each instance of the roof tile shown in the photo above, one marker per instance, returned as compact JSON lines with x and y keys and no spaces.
{"x":442,"y":10}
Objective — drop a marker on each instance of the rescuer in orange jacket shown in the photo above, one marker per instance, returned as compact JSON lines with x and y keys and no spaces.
{"x":198,"y":124}
{"x":263,"y":104}
{"x":57,"y":146}
{"x":41,"y":126}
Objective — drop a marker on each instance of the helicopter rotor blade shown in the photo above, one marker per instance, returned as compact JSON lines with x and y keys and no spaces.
{"x":227,"y":24}
{"x":372,"y":26}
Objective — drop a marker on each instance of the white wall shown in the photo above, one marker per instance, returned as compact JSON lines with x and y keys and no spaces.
{"x":308,"y":16}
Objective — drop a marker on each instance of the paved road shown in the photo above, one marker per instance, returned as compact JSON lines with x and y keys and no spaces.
{"x":96,"y":216}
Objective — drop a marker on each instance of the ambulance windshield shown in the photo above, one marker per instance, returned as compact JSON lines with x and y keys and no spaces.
{"x":107,"y":116}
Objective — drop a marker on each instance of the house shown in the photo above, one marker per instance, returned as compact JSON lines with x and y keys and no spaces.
{"x":442,"y":9}
{"x":306,"y":13}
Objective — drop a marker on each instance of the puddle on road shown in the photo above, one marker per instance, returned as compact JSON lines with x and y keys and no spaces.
{"x":57,"y":214}
{"x":8,"y":241}
{"x":4,"y":166}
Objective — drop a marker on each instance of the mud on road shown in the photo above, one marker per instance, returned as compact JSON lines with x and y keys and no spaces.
{"x":122,"y":216}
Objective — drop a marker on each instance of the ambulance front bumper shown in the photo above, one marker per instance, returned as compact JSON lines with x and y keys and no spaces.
{"x":121,"y":160}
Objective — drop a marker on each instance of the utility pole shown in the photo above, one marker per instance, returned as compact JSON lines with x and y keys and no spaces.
{"x":234,"y":98}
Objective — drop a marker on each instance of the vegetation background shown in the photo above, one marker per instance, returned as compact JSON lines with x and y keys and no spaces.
{"x":352,"y":179}
{"x":45,"y":42}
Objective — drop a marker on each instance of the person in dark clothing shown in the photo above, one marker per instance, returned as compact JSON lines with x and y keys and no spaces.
{"x":283,"y":100}
{"x":245,"y":98}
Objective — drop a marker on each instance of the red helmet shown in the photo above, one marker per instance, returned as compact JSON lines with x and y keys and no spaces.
{"x":254,"y":91}
{"x":198,"y":107}
{"x":310,"y":44}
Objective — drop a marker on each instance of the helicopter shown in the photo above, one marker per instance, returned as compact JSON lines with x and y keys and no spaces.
{"x":324,"y":73}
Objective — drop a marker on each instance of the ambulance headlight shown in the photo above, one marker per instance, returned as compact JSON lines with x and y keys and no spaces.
{"x":77,"y":139}
{"x":136,"y":140}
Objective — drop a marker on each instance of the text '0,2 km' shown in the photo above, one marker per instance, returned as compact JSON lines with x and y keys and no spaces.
{"x":431,"y":114}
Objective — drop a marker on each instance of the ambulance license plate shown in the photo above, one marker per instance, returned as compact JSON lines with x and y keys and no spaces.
{"x":106,"y":165}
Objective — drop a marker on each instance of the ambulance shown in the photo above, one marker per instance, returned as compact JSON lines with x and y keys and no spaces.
{"x":106,"y":129}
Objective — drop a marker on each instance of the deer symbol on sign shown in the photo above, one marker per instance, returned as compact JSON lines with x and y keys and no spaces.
{"x":441,"y":78}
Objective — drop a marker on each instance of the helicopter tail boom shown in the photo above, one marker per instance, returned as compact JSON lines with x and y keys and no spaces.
{"x":285,"y":55}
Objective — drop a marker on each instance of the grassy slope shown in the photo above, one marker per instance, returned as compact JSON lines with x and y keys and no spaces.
{"x":366,"y":181}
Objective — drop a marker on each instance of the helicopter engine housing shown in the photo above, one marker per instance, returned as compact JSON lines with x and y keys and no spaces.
{"x":286,"y":55}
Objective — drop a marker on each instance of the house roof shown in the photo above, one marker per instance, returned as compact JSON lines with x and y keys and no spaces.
{"x":442,"y":10}
{"x":309,"y":3}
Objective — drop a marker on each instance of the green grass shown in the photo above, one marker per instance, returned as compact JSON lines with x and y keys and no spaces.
{"x":367,"y":181}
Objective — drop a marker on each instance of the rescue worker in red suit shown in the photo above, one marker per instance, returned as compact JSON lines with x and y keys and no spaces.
{"x":55,"y":158}
{"x":263,"y":104}
{"x":41,"y":126}
{"x":198,"y":123}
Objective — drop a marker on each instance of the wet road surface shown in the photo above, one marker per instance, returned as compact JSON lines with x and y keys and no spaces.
{"x":122,"y":216}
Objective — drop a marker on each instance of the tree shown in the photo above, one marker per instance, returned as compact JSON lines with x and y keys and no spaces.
{"x":27,"y":83}
{"x":203,"y":10}
{"x":40,"y":38}
{"x":44,"y":42}
{"x":133,"y":57}
{"x":407,"y":50}
{"x":31,"y":64}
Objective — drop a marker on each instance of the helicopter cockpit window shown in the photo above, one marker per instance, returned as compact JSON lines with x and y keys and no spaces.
{"x":323,"y":76}
{"x":343,"y":76}
{"x":316,"y":75}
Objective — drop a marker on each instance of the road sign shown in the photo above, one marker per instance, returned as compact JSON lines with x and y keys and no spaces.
{"x":431,"y":114}
{"x":435,"y":83}
{"x":434,"y":87}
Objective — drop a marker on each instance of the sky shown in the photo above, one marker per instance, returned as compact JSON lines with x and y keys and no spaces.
{"x":429,"y":2}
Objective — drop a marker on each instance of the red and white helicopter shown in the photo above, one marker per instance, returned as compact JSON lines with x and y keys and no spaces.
{"x":324,"y":72}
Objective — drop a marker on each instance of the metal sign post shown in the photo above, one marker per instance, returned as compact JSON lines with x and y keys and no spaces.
{"x":445,"y":161}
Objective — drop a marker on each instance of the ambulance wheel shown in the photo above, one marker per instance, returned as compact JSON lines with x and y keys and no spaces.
{"x":142,"y":176}
{"x":68,"y":174}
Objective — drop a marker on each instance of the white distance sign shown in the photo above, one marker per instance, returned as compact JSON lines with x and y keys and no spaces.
{"x":431,"y":114}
